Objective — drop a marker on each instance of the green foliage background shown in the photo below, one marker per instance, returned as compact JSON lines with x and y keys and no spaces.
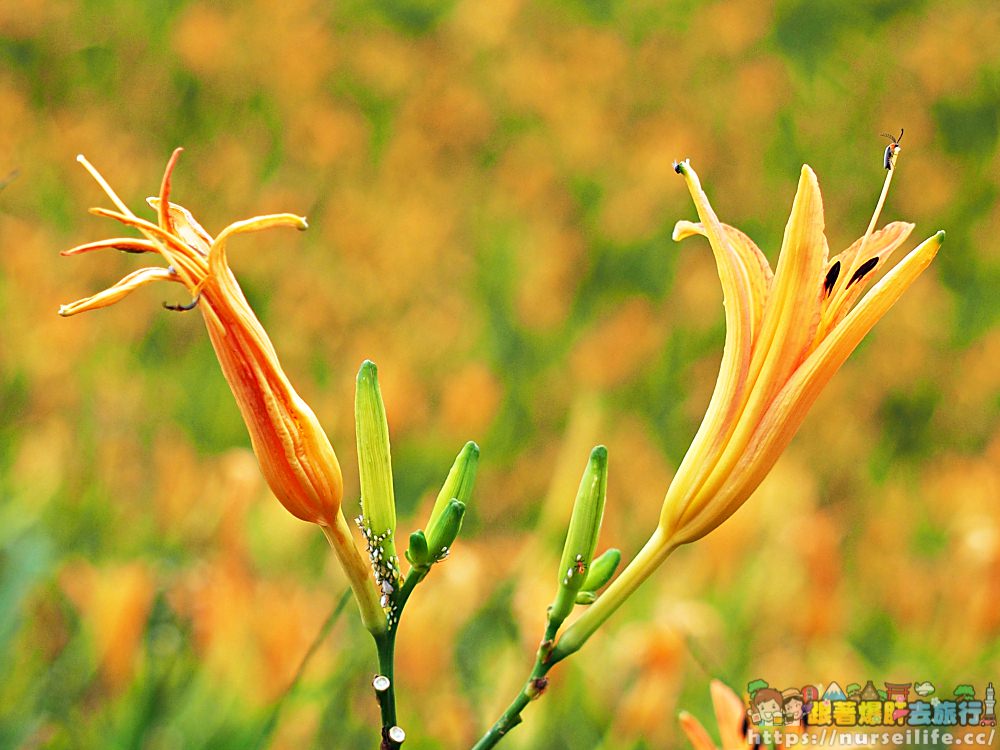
{"x":490,"y":192}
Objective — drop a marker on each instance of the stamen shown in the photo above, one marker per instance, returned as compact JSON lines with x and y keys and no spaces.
{"x":878,"y":210}
{"x":867,"y":266}
{"x":183,"y":308}
{"x":104,"y":185}
{"x":831,"y":278}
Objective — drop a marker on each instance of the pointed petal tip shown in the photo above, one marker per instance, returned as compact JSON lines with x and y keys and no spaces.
{"x":302,"y":225}
{"x":939,"y":236}
{"x":684,"y":229}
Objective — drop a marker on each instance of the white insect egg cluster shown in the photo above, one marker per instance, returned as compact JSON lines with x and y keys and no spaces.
{"x":385,"y":566}
{"x":579,"y":567}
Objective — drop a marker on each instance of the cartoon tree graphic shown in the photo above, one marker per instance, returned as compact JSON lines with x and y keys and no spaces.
{"x":965,"y":692}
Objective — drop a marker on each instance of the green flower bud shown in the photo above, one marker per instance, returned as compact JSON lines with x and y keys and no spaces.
{"x":601,"y":571}
{"x":581,"y":538}
{"x":442,"y":534}
{"x":418,"y":553}
{"x":378,"y":504}
{"x":459,"y":482}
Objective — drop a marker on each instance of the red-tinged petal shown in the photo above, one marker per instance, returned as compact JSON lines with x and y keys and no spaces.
{"x":125,"y":244}
{"x":122,"y":289}
{"x":729,"y":388}
{"x":697,"y":735}
{"x":779,"y":424}
{"x":163,"y":212}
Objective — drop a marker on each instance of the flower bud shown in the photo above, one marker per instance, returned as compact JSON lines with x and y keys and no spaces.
{"x":581,"y":538}
{"x":378,"y":504}
{"x":601,"y":571}
{"x":458,"y":484}
{"x":418,"y":553}
{"x":442,"y":534}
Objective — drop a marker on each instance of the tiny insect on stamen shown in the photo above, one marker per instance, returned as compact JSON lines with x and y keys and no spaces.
{"x":892,"y":149}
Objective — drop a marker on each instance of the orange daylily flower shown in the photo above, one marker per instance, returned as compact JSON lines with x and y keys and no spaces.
{"x":292,"y":449}
{"x":787,"y":333}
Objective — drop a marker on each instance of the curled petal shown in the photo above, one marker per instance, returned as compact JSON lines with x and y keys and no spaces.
{"x":125,"y":244}
{"x":729,"y":388}
{"x":163,"y":209}
{"x":217,"y":253}
{"x":122,"y":289}
{"x":758,"y":270}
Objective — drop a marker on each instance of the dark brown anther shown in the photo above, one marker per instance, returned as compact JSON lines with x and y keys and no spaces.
{"x":183,"y":308}
{"x":867,"y":266}
{"x":831,"y":278}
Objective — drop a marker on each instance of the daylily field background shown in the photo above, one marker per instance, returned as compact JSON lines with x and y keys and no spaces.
{"x":490,"y":194}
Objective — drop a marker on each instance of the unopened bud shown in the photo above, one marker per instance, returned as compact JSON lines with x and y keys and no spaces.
{"x":443,"y":533}
{"x":459,"y":482}
{"x":581,"y":538}
{"x":418,"y":553}
{"x":378,"y":504}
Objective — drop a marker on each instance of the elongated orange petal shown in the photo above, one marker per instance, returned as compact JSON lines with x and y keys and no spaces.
{"x":125,"y":244}
{"x":728,"y":394}
{"x":163,"y":211}
{"x":777,"y":427}
{"x":120,"y":290}
{"x":791,"y":315}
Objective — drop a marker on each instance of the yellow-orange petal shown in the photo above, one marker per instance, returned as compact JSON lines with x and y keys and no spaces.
{"x":729,"y":388}
{"x":122,"y":289}
{"x":775,"y":429}
{"x":125,"y":244}
{"x":758,"y":270}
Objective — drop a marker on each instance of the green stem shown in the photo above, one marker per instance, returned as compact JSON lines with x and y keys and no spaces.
{"x":532,"y":690}
{"x":385,"y":643}
{"x":550,"y":653}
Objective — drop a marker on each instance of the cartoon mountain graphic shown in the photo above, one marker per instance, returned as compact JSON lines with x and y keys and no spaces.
{"x":834,"y":692}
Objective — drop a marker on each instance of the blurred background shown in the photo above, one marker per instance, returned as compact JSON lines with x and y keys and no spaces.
{"x":490,"y":194}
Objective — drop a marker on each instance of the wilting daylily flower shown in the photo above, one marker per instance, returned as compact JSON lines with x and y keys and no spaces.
{"x":294,"y":452}
{"x":787,"y":333}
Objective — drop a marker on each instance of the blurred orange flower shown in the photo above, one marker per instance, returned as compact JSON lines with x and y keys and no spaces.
{"x":730,"y":715}
{"x":294,"y":452}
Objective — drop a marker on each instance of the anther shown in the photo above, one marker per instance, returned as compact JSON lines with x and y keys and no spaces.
{"x":831,"y":278}
{"x":183,"y":308}
{"x":865,"y":267}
